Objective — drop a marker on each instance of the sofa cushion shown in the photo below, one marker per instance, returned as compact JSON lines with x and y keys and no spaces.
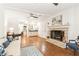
{"x":5,"y":44}
{"x":1,"y":50}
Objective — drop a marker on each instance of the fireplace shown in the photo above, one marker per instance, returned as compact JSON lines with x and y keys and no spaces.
{"x":57,"y":35}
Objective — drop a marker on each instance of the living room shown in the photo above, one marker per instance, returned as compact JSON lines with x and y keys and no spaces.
{"x":56,"y":23}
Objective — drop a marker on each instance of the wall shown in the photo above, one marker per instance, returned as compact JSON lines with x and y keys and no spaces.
{"x":71,"y":17}
{"x":76,"y":20}
{"x":43,"y":29}
{"x":1,"y":24}
{"x":13,"y":18}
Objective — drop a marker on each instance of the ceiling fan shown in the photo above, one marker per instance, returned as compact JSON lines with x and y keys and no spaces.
{"x":55,"y":4}
{"x":34,"y":15}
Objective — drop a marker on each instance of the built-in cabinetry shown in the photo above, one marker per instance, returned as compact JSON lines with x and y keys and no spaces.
{"x":33,"y":28}
{"x":33,"y":33}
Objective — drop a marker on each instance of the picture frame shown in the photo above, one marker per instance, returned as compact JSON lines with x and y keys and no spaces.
{"x":57,"y":20}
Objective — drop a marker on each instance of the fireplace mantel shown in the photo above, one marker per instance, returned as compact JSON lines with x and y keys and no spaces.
{"x":58,"y":27}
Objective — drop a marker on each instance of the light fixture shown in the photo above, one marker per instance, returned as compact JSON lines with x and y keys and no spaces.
{"x":56,"y":4}
{"x":33,"y":15}
{"x":11,"y":29}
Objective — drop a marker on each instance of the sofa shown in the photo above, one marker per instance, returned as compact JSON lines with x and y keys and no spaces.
{"x":13,"y":48}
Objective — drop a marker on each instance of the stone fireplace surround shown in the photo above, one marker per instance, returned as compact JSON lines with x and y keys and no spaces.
{"x":59,"y":28}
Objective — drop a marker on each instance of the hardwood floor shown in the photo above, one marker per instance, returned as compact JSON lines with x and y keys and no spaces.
{"x":45,"y":47}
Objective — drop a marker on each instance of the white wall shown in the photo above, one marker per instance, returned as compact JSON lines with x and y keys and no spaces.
{"x":1,"y":24}
{"x":13,"y":18}
{"x":71,"y":17}
{"x":76,"y":20}
{"x":43,"y":29}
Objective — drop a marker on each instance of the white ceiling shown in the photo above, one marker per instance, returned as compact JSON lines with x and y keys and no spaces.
{"x":42,"y":8}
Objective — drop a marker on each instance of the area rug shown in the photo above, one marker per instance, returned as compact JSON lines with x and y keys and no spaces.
{"x":30,"y":51}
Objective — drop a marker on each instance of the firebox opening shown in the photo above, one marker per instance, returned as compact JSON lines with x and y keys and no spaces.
{"x":57,"y":35}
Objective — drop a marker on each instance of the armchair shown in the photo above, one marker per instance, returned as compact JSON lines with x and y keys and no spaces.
{"x":73,"y":45}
